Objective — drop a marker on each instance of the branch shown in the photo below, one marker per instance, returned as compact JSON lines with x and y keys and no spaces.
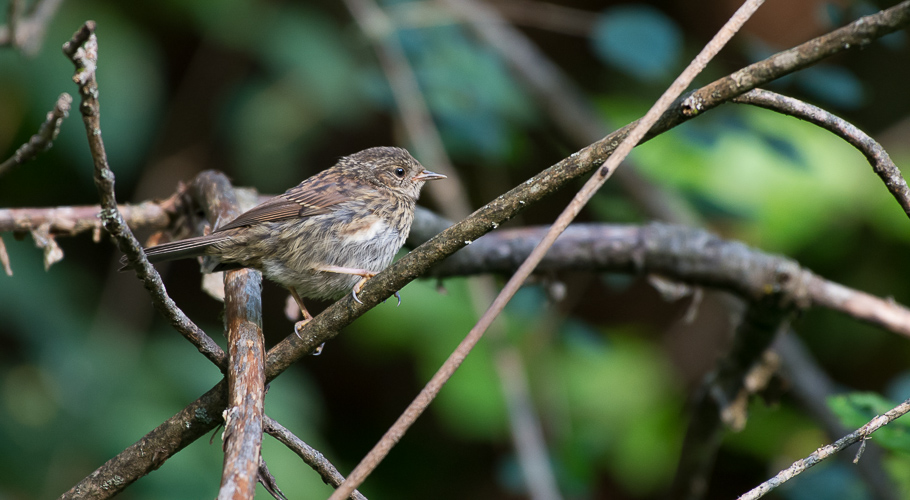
{"x":82,"y":50}
{"x":825,"y":452}
{"x":70,"y":221}
{"x":43,"y":140}
{"x":246,"y":374}
{"x":681,"y":253}
{"x":309,"y":455}
{"x":812,"y":388}
{"x":872,"y":150}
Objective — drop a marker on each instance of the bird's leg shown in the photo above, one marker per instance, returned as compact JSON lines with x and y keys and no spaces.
{"x":307,"y":317}
{"x":363,"y":273}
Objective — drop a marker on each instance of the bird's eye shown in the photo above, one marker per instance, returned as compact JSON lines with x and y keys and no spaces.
{"x":399,"y":172}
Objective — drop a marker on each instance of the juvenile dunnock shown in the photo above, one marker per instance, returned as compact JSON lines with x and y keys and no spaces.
{"x":326,"y":236}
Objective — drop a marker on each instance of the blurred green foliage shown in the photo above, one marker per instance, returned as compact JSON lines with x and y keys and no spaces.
{"x":271,"y":92}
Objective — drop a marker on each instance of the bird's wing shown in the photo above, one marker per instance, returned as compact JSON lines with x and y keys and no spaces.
{"x":304,"y":200}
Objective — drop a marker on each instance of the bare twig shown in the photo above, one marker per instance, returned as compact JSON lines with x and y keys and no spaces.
{"x":4,"y":259}
{"x":43,"y":140}
{"x":308,"y":454}
{"x":394,"y":434}
{"x":82,"y":50}
{"x":71,"y":221}
{"x":827,"y":451}
{"x":872,"y":150}
{"x":812,"y":388}
{"x":267,"y":480}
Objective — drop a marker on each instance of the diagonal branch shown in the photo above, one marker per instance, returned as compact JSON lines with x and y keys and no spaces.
{"x":855,"y":35}
{"x":827,"y":451}
{"x":82,"y":50}
{"x":453,"y":201}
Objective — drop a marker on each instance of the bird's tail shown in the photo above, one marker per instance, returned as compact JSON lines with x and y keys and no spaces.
{"x":182,"y":249}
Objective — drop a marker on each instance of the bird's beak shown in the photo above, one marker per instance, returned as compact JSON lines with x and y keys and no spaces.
{"x":426,"y":175}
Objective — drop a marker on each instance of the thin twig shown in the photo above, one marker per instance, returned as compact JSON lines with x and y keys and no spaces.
{"x":44,"y":139}
{"x":308,"y":454}
{"x":812,"y":387}
{"x":872,"y":150}
{"x":825,"y":452}
{"x":4,"y":259}
{"x":420,"y":403}
{"x":267,"y":480}
{"x":82,"y":50}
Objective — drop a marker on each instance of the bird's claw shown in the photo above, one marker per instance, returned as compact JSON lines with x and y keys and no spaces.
{"x":318,"y":350}
{"x":357,"y":288}
{"x":398,"y":296}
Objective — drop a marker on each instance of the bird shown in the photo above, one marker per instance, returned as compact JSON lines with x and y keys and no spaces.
{"x":324,"y":237}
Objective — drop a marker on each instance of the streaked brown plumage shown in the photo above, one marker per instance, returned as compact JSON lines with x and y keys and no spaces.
{"x":324,"y":237}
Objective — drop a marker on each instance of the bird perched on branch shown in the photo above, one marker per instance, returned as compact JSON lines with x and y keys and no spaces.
{"x":324,"y":237}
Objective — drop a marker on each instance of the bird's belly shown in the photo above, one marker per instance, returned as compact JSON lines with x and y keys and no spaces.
{"x":368,"y":247}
